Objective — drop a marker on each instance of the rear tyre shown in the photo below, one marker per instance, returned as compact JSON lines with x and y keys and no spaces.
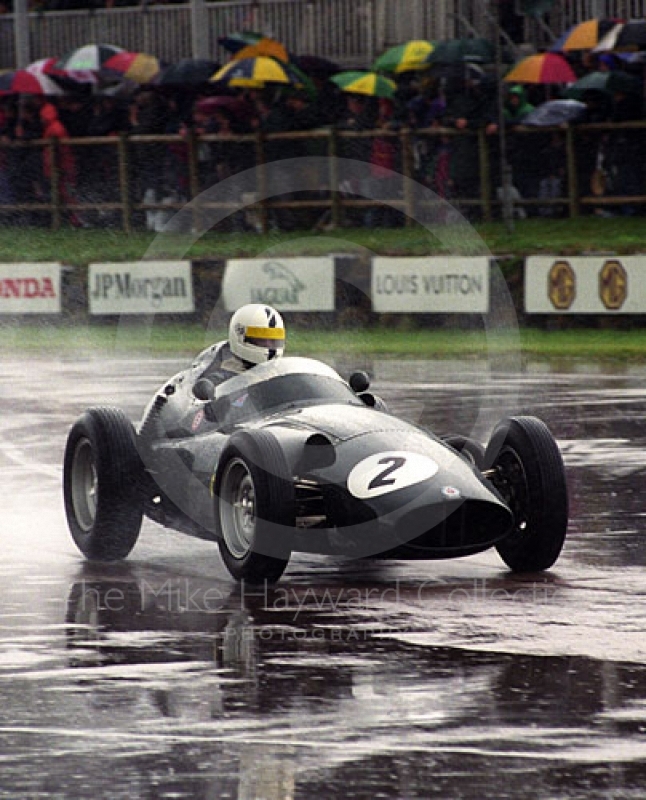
{"x":529,"y":474}
{"x":254,"y":507}
{"x":101,"y":477}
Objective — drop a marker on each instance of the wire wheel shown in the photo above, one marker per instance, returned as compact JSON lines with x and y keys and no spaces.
{"x":84,"y":484}
{"x":238,"y":508}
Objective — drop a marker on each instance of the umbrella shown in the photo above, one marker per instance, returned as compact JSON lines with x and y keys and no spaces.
{"x":555,"y":112}
{"x":264,"y":47}
{"x":624,"y":36}
{"x":596,"y":81}
{"x":368,"y":83}
{"x":315,"y":66}
{"x":583,"y":36}
{"x":236,"y":41}
{"x":187,"y":72}
{"x":255,"y":72}
{"x":455,"y":51}
{"x":541,"y":68}
{"x":23,"y":82}
{"x":235,"y":106}
{"x":88,"y":57}
{"x":137,"y":67}
{"x":405,"y":57}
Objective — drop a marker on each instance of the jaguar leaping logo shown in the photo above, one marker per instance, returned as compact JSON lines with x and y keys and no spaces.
{"x":284,"y":287}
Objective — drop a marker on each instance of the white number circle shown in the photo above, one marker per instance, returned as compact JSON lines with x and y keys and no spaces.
{"x":386,"y":472}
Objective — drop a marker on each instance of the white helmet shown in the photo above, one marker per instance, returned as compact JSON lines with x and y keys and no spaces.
{"x":256,"y":333}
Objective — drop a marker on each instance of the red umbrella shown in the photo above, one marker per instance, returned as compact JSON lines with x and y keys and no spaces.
{"x":541,"y":68}
{"x":24,"y":82}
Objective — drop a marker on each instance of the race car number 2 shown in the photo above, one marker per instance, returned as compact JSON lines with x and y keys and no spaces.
{"x":387,"y":472}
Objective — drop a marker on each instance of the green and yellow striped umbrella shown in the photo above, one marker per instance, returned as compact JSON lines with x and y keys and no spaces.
{"x":253,"y":73}
{"x":368,"y":83}
{"x":413,"y":55}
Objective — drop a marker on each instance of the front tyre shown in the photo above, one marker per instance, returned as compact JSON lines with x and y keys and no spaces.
{"x":101,"y":477}
{"x":254,"y":507}
{"x":527,"y":469}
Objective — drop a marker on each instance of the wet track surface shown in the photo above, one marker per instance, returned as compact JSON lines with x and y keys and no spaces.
{"x":159,"y":677}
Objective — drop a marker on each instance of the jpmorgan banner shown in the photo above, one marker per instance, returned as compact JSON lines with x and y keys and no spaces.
{"x":141,"y":287}
{"x":585,"y":285}
{"x":437,"y":285}
{"x":30,"y":288}
{"x":288,"y":284}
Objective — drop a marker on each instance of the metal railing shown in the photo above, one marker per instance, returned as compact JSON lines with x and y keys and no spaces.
{"x":351,"y":32}
{"x":118,"y":192}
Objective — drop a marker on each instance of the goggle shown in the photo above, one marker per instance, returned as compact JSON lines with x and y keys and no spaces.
{"x":272,"y":338}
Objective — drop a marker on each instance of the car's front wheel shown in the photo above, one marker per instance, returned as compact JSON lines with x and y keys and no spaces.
{"x":254,"y":507}
{"x":525,"y":465}
{"x":101,"y":473}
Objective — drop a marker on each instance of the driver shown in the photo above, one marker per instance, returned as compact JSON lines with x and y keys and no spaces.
{"x":256,"y":335}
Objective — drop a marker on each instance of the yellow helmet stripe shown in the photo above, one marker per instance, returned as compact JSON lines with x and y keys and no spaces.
{"x":265,"y":333}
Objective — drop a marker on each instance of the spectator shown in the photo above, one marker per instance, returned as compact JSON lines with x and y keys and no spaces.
{"x":360,"y":115}
{"x":526,"y":172}
{"x":148,"y":115}
{"x":626,"y":146}
{"x":469,"y":109}
{"x":27,"y":176}
{"x":53,"y":128}
{"x":385,"y":182}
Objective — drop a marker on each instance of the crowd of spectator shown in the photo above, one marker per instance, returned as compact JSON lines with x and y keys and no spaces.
{"x":460,"y":98}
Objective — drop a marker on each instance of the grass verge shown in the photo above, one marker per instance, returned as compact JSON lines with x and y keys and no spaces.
{"x":621,"y":235}
{"x":187,"y":339}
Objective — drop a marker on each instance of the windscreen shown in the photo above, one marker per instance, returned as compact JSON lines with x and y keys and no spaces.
{"x":285,"y":390}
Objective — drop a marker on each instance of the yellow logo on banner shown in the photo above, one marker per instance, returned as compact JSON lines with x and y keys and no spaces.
{"x":613,"y":285}
{"x":561,"y":285}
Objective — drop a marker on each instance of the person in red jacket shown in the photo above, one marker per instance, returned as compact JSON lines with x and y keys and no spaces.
{"x":53,"y":128}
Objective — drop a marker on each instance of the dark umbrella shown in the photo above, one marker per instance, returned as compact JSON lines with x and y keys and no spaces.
{"x":626,"y":35}
{"x":236,"y":41}
{"x":457,"y":51}
{"x":555,"y":112}
{"x":235,"y":106}
{"x":316,"y":66}
{"x":187,"y":72}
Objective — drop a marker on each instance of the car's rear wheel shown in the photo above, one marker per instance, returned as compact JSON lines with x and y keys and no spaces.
{"x":527,"y":469}
{"x":254,"y":507}
{"x":101,"y":476}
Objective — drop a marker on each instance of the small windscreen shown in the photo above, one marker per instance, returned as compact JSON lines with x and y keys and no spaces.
{"x":264,"y":396}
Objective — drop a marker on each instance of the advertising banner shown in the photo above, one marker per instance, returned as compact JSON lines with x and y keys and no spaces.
{"x":436,"y":285}
{"x":141,"y":287}
{"x":30,"y":288}
{"x":287,"y":284}
{"x":585,"y":285}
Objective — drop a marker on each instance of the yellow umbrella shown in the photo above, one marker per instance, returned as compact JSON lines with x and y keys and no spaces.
{"x":368,"y":83}
{"x":253,"y":73}
{"x":413,"y":55}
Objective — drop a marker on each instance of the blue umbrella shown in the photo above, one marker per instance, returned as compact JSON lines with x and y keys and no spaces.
{"x":555,"y":112}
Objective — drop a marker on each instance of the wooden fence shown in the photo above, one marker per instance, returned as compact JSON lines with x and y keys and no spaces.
{"x":575,"y":145}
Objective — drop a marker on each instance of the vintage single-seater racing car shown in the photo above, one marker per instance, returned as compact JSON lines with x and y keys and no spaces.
{"x":290,"y":457}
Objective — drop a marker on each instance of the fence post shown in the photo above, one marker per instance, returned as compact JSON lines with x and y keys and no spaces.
{"x":485,"y":175}
{"x":407,"y":168}
{"x":572,"y":177}
{"x":124,"y":182}
{"x":192,"y":146}
{"x":335,"y":197}
{"x":55,"y":182}
{"x":261,"y":180}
